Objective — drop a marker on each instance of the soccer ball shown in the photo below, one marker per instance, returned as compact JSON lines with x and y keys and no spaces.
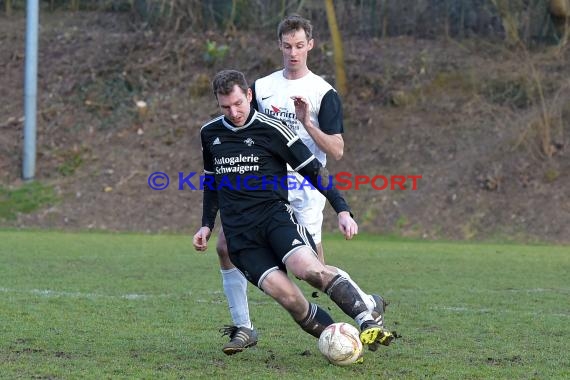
{"x":340,"y":344}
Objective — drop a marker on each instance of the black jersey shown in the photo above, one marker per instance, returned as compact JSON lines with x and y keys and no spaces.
{"x":246,"y":170}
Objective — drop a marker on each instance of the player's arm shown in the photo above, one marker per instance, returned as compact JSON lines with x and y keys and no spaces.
{"x":293,"y":151}
{"x":328,"y":136}
{"x":308,"y":166}
{"x":209,"y":212}
{"x":319,"y":177}
{"x":209,"y":202}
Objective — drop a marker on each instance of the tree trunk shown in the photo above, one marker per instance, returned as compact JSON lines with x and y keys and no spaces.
{"x":338,"y":50}
{"x":509,"y":22}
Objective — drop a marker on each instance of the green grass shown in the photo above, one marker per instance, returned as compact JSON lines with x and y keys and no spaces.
{"x":129,"y":306}
{"x":24,"y":199}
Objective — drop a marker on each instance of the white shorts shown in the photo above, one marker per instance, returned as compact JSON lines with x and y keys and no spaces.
{"x":308,"y":205}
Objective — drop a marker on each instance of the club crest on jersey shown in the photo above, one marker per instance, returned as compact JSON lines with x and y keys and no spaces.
{"x":249,"y":141}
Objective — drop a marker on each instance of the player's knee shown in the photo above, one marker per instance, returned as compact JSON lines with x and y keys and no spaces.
{"x":316,"y":277}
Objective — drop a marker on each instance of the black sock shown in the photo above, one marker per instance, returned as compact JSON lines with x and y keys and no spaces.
{"x":316,"y":321}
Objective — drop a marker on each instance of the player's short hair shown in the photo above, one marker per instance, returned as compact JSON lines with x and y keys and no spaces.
{"x":225,"y":80}
{"x":292,"y":23}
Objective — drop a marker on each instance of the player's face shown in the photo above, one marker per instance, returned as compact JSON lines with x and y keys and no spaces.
{"x":235,"y":106}
{"x":295,"y":48}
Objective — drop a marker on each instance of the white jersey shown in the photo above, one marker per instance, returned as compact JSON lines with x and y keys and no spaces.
{"x":272,"y":95}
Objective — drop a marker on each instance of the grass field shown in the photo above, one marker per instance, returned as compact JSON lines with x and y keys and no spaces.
{"x":129,"y":306}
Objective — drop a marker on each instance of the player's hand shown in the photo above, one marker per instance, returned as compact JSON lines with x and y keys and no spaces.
{"x":347,"y":225}
{"x":302,"y":109}
{"x":200,"y":239}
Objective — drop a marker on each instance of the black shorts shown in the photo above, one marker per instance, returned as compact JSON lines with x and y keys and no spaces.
{"x":263,"y":249}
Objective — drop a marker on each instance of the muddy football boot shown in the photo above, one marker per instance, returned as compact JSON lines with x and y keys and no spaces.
{"x":378,"y":315}
{"x":372,"y":333}
{"x":240,"y":339}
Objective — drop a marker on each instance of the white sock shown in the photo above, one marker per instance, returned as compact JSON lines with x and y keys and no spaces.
{"x":363,"y":317}
{"x":235,"y":289}
{"x":370,"y":304}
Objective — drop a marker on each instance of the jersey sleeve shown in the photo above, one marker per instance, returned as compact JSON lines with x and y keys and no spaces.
{"x":330,"y":113}
{"x":319,"y":177}
{"x":210,"y":194}
{"x":295,"y":153}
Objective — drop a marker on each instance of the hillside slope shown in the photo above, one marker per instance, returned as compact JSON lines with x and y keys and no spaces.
{"x":464,"y":116}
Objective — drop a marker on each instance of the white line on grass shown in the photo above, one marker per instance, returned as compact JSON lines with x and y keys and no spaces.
{"x":57,"y":293}
{"x":536,"y":290}
{"x":462,"y":309}
{"x":473,"y":290}
{"x":47,"y":293}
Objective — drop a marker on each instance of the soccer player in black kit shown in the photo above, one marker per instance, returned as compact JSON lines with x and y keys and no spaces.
{"x":317,"y":118}
{"x":245,"y":155}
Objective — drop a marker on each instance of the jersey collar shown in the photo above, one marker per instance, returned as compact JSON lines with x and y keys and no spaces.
{"x":250,"y":119}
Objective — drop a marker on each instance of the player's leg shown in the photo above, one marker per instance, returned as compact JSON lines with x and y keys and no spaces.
{"x":234,"y":284}
{"x":241,"y":333}
{"x":374,"y":302}
{"x":304,"y":264}
{"x":296,"y":249}
{"x":309,"y":316}
{"x":266,"y":271}
{"x":308,"y":205}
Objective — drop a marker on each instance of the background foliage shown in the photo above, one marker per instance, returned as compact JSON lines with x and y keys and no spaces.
{"x":529,"y":19}
{"x":434,"y":87}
